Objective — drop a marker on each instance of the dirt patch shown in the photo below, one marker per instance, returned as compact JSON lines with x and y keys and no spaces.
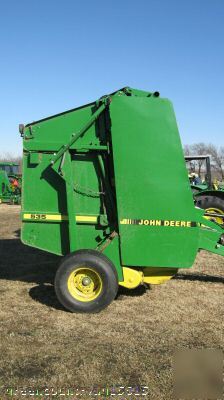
{"x":130,"y":343}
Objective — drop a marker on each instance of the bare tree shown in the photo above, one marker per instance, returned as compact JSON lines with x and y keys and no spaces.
{"x":217,"y":155}
{"x":187,"y":150}
{"x":200,"y":149}
{"x":194,"y":150}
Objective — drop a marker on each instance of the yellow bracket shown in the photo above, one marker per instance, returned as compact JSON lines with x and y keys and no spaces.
{"x":157,"y":276}
{"x":154,"y":276}
{"x":132,"y":278}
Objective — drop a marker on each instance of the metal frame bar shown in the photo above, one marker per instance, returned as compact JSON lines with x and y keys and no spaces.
{"x":76,"y":136}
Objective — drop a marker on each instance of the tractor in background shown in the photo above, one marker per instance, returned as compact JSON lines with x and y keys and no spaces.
{"x":208,"y":194}
{"x":12,"y":170}
{"x":10,"y":183}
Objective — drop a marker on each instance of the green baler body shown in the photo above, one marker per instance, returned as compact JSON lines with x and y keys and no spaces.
{"x":99,"y":187}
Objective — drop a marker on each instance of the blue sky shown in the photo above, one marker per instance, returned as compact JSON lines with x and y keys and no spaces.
{"x":56,"y":55}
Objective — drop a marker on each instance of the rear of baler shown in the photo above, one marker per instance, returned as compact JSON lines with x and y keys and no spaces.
{"x":92,"y":193}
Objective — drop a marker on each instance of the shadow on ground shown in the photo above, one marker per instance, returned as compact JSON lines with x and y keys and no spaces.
{"x":45,"y":294}
{"x":23,"y":263}
{"x":199,"y":278}
{"x":19,"y":262}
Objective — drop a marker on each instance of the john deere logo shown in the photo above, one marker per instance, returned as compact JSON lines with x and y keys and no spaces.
{"x":158,"y":222}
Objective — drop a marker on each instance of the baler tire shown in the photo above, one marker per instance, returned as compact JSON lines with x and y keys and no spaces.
{"x":215,"y":203}
{"x":99,"y":268}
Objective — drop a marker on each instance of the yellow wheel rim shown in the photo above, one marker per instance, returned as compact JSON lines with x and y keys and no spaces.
{"x":211,"y":211}
{"x":84,"y":284}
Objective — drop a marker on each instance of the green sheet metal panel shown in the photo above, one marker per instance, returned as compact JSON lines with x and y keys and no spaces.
{"x":86,"y":183}
{"x":51,"y":133}
{"x":45,"y":193}
{"x":43,"y":189}
{"x":151,"y":184}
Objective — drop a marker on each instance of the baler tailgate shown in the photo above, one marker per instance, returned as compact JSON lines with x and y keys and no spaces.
{"x":156,"y":221}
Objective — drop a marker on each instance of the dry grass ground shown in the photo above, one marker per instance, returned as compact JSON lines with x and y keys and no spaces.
{"x":130,"y":343}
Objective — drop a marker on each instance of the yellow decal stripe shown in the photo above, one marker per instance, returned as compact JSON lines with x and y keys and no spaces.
{"x":58,"y":217}
{"x":83,"y":218}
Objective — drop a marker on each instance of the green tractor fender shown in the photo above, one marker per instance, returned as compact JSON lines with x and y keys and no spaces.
{"x":212,"y":201}
{"x":214,"y":193}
